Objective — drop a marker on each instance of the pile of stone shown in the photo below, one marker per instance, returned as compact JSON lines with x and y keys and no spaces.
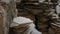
{"x":41,"y":13}
{"x":22,"y":25}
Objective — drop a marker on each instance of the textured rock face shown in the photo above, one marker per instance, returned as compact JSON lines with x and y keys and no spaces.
{"x":55,"y":25}
{"x":41,"y":14}
{"x":29,"y":29}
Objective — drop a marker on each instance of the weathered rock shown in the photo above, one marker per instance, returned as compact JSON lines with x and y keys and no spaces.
{"x":23,"y":26}
{"x":40,"y":12}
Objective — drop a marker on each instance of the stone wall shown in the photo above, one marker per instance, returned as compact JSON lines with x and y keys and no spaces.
{"x":41,"y":13}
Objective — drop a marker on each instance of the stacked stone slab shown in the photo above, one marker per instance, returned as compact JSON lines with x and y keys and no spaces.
{"x":19,"y":29}
{"x":40,"y":13}
{"x":24,"y":10}
{"x":55,"y":25}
